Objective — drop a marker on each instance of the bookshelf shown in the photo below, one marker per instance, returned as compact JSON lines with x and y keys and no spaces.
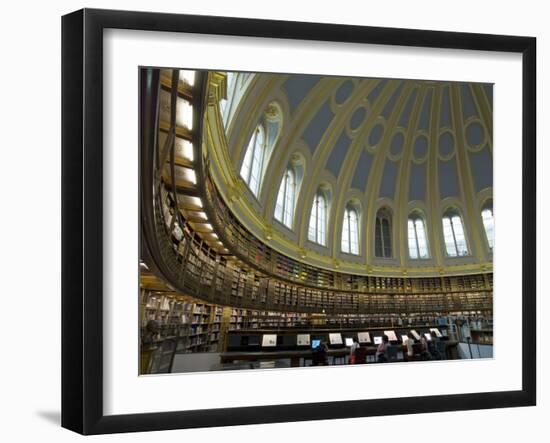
{"x":197,"y":325}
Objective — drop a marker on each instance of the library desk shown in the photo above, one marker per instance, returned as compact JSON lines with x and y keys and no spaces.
{"x":294,"y":356}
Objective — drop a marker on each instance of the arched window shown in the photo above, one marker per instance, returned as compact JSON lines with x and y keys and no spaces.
{"x":284,"y":209}
{"x":382,"y":241}
{"x":489,"y":224}
{"x":226,"y":104}
{"x":453,"y":232}
{"x":252,"y":167}
{"x":350,"y":231}
{"x":237,"y":83}
{"x":418,"y":243}
{"x":318,"y":220}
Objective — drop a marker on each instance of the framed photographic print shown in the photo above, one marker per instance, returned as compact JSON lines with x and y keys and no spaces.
{"x":273,"y":221}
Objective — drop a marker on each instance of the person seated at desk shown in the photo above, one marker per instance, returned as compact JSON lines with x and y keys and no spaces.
{"x":432,"y":350}
{"x":355,"y":345}
{"x":381,"y":356}
{"x":425,"y":355}
{"x":409,"y":343}
{"x":319,"y":355}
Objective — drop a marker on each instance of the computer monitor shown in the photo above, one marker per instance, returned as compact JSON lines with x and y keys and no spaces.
{"x":436,"y":332}
{"x":391,"y":335}
{"x":269,"y":340}
{"x":335,"y":339}
{"x":377,"y":340}
{"x":404,"y":338}
{"x":364,"y":337}
{"x":415,"y":334}
{"x":349,"y":341}
{"x":315,"y":344}
{"x":303,"y":340}
{"x":428,"y":336}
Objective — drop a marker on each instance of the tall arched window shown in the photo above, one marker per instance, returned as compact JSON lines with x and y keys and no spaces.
{"x":418,"y":243}
{"x":251,"y":169}
{"x":382,"y":240}
{"x":227,"y":104}
{"x":284,"y":209}
{"x":350,"y":231}
{"x":237,"y":83}
{"x":453,"y":231}
{"x":318,"y":220}
{"x":489,"y":224}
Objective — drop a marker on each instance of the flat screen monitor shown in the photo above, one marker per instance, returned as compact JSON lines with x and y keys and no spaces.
{"x":335,"y":339}
{"x":436,"y":332}
{"x":269,"y":341}
{"x":391,"y":335}
{"x":364,"y":337}
{"x":428,"y":336}
{"x":303,"y":340}
{"x":404,"y":338}
{"x":315,"y":344}
{"x":377,"y":340}
{"x":349,"y":341}
{"x":415,"y":334}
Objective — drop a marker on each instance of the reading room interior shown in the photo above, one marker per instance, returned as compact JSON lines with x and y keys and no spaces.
{"x":299,"y":220}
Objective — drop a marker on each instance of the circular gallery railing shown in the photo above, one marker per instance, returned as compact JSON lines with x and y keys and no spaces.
{"x":191,"y":239}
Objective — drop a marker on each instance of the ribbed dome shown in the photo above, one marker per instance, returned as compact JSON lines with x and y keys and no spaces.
{"x":401,"y":146}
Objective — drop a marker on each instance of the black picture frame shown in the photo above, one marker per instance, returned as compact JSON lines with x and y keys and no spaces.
{"x":82,"y":218}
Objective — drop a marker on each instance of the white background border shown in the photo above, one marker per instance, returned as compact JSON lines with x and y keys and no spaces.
{"x":31,"y":56}
{"x":124,"y":392}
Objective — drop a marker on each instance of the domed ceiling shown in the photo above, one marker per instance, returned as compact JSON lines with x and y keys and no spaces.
{"x":405,"y":145}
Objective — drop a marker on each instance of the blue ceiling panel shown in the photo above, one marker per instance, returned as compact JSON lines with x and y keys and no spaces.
{"x":445,"y":110}
{"x":417,"y":182}
{"x":406,"y":114}
{"x":448,"y":179}
{"x":338,"y":154}
{"x":362,"y":171}
{"x":468,"y":105}
{"x":424,"y":122}
{"x":297,"y":87}
{"x":343,"y":92}
{"x":388,"y":108}
{"x":481,"y":164}
{"x":318,"y":126}
{"x":389,"y":179}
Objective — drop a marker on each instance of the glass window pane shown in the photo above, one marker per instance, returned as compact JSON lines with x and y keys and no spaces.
{"x":461,"y":246}
{"x":378,"y":238}
{"x":413,"y":250}
{"x":312,"y":233}
{"x":386,"y":237}
{"x":488,"y":223}
{"x":322,"y":220}
{"x":354,"y":232}
{"x":345,"y":232}
{"x":449,"y":238}
{"x":290,"y":195}
{"x":279,"y":206}
{"x":247,"y":162}
{"x":421,"y":238}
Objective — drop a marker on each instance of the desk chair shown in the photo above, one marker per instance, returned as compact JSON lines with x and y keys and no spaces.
{"x":392,"y":352}
{"x":360,"y":356}
{"x":417,"y":352}
{"x":441,"y":347}
{"x":319,"y":358}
